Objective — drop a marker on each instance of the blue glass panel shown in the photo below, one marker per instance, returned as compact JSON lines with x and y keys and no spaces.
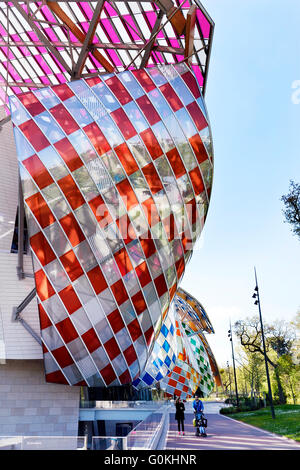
{"x":110,"y":130}
{"x":189,"y":127}
{"x":135,"y":116}
{"x":49,"y":127}
{"x":157,"y":76}
{"x":131,"y":84}
{"x":78,"y":111}
{"x":53,"y":162}
{"x":159,"y":376}
{"x":82,"y":145}
{"x":105,"y":96}
{"x":148,"y":379}
{"x":160,"y":103}
{"x":18,"y":112}
{"x":24,"y":149}
{"x":168,"y":361}
{"x":164,"y":330}
{"x":47,"y":97}
{"x":182,"y":90}
{"x":166,"y":346}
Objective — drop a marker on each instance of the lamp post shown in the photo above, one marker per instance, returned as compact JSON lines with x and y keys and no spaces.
{"x":236,"y":389}
{"x":257,"y":302}
{"x":229,"y":378}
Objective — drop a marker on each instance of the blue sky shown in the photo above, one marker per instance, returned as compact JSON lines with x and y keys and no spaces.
{"x":255,"y":124}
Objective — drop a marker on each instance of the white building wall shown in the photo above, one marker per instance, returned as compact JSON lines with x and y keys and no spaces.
{"x":15,"y":341}
{"x":31,"y":407}
{"x":28,"y":404}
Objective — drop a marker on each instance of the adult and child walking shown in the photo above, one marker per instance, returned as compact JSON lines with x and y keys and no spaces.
{"x":199,"y":421}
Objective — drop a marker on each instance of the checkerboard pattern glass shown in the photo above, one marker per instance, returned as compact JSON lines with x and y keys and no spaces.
{"x":116,"y":187}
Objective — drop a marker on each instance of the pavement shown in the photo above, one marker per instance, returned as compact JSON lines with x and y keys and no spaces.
{"x":223,"y":433}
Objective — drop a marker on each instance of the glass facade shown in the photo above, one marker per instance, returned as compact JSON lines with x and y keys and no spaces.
{"x":115,"y":197}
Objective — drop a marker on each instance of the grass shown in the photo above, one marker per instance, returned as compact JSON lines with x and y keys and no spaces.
{"x":286,"y":422}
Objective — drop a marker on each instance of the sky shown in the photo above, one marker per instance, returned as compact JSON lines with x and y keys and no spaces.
{"x":254,"y":111}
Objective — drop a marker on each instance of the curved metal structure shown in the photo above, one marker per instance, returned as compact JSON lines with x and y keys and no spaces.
{"x":52,"y":42}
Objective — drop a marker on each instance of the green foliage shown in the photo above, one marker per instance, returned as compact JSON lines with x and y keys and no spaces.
{"x":286,"y":422}
{"x":292,"y":207}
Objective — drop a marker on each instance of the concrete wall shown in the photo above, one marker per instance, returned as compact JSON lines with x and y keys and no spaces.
{"x":30,"y":406}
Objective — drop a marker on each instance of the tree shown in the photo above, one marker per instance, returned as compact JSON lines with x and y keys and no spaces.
{"x":279,"y":339}
{"x":292,"y":207}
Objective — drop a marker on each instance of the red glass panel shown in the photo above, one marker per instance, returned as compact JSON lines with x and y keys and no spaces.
{"x":116,"y":321}
{"x":63,"y":91}
{"x":148,"y":110}
{"x":198,"y":148}
{"x":123,"y":123}
{"x":100,"y":210}
{"x":31,"y":103}
{"x":71,"y":265}
{"x":134,"y":330}
{"x":143,"y":274}
{"x":64,"y":118}
{"x":151,"y":212}
{"x":112,"y":348}
{"x":45,"y":321}
{"x":144,"y":80}
{"x":126,"y":158}
{"x":148,"y":246}
{"x":62,"y":356}
{"x":97,"y":279}
{"x":171,"y":96}
{"x":71,"y":191}
{"x":161,"y":285}
{"x":56,"y":377}
{"x":197,"y":181}
{"x":130,"y":355}
{"x":38,"y":171}
{"x":108,"y":374}
{"x":139,"y":302}
{"x":152,"y":178}
{"x":91,"y":340}
{"x":70,"y":299}
{"x":41,"y":211}
{"x":197,"y":115}
{"x":127,"y":194}
{"x":43,"y":286}
{"x":72,"y":229}
{"x":97,"y":138}
{"x":119,"y":292}
{"x":68,"y":154}
{"x":118,"y":89}
{"x":34,"y":135}
{"x":126,"y":229}
{"x":42,"y":248}
{"x":125,"y":377}
{"x":123,"y":262}
{"x":176,"y":162}
{"x":190,"y":80}
{"x":66,"y":330}
{"x":151,"y":143}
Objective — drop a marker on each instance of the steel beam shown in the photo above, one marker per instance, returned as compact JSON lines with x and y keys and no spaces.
{"x":88,"y":39}
{"x":154,"y":33}
{"x":190,"y":33}
{"x":41,"y":36}
{"x":59,"y":12}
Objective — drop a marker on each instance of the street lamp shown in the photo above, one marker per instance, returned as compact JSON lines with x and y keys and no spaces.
{"x":236,"y":389}
{"x":257,"y":302}
{"x":229,"y":378}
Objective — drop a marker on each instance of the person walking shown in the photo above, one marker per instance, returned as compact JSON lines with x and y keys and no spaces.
{"x":198,"y":410}
{"x":179,"y":415}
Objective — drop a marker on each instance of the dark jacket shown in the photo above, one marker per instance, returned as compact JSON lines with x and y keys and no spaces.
{"x":179,"y":411}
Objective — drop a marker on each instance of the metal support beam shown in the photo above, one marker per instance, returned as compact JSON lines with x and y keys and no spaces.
{"x":20,"y":266}
{"x":17,"y":310}
{"x":41,"y":36}
{"x":58,"y":11}
{"x":190,"y":33}
{"x":154,"y":33}
{"x":88,"y":39}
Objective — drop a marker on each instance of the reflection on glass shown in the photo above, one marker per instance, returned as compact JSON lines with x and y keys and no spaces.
{"x":78,"y":111}
{"x":138,"y":150}
{"x":131,"y":84}
{"x":49,"y":127}
{"x":47,"y":97}
{"x":24,"y":149}
{"x":135,"y":116}
{"x":160,"y":104}
{"x":82,"y":145}
{"x":113,"y":166}
{"x":53,"y":162}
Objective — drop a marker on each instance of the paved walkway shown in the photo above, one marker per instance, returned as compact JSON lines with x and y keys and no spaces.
{"x":223,"y":433}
